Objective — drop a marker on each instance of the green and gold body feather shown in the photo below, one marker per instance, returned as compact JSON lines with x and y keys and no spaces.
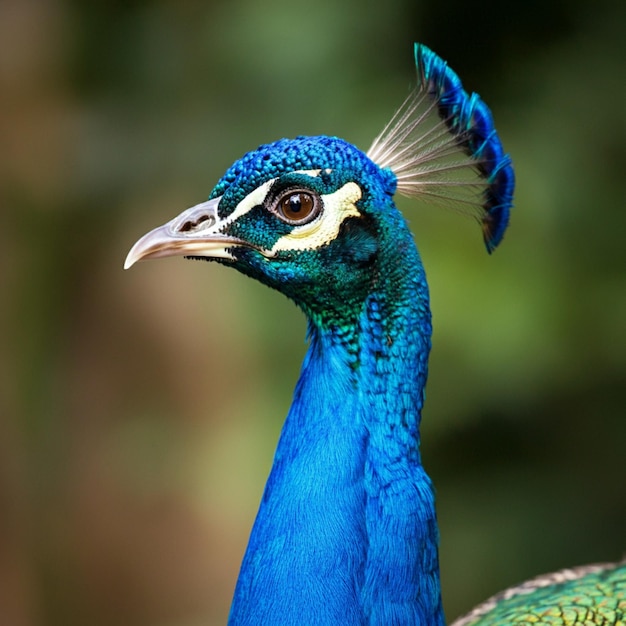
{"x":593,"y":595}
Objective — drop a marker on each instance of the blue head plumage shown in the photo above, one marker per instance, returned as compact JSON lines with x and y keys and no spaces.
{"x":302,"y":153}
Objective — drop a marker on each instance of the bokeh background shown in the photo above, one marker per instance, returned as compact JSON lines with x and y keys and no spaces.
{"x":139,"y":410}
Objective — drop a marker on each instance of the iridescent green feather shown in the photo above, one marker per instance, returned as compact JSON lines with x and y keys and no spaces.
{"x":591,"y":596}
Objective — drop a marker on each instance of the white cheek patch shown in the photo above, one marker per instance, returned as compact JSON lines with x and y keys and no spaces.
{"x":338,"y":206}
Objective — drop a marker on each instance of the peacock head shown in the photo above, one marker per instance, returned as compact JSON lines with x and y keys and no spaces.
{"x":304,"y":216}
{"x":314,"y":217}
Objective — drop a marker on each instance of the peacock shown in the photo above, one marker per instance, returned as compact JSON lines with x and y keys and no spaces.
{"x":346,"y":532}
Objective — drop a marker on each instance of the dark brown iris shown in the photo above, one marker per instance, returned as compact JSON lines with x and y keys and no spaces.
{"x":297,"y":206}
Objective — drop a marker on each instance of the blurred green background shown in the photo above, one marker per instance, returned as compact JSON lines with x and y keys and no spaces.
{"x":139,"y":411}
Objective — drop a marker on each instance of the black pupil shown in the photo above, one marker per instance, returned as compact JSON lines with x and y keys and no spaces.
{"x":295,"y":204}
{"x":297,"y":207}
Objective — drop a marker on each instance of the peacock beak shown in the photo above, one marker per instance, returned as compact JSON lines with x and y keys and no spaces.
{"x":198,"y":232}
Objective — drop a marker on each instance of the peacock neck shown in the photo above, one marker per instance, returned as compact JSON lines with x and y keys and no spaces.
{"x":401,"y":583}
{"x":346,"y":532}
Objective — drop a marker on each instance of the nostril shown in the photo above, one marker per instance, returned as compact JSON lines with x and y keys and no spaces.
{"x":190,"y":225}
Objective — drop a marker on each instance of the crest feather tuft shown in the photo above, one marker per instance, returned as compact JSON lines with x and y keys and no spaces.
{"x":442,"y":145}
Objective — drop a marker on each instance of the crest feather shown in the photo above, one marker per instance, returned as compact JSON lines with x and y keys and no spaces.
{"x":442,"y":145}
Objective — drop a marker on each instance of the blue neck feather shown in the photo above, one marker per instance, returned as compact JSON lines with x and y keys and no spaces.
{"x":346,"y":532}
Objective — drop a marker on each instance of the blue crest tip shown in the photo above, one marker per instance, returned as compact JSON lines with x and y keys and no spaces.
{"x":470,"y":121}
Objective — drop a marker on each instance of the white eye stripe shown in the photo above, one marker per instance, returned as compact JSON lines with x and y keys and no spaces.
{"x":311,"y":173}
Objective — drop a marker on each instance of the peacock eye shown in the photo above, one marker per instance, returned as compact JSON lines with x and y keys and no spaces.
{"x":298,"y":207}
